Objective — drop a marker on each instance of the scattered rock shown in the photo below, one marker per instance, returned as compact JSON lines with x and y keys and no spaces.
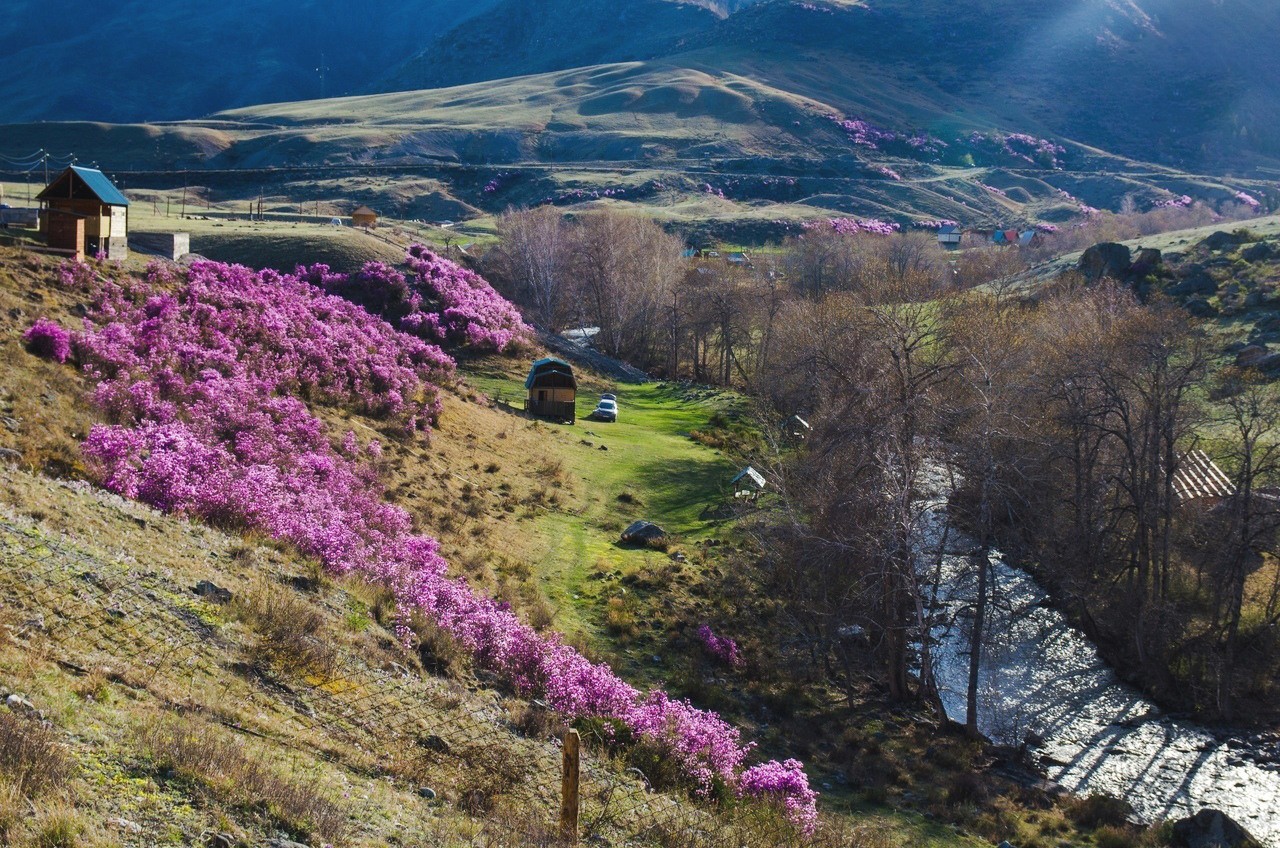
{"x":20,"y":705}
{"x":1005,"y":844}
{"x":1211,"y":829}
{"x":211,"y":592}
{"x":1221,"y":240}
{"x":125,"y":824}
{"x":1270,"y":362}
{"x":1197,"y":283}
{"x":641,"y":532}
{"x":284,"y":843}
{"x":219,"y":840}
{"x":1107,"y":259}
{"x":1249,"y":355}
{"x":604,"y":448}
{"x":1147,"y":260}
{"x":11,"y":424}
{"x":1200,"y":308}
{"x":10,"y":453}
{"x":1258,"y":252}
{"x":427,"y":792}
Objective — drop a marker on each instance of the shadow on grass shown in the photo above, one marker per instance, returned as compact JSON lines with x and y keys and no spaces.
{"x":681,"y":489}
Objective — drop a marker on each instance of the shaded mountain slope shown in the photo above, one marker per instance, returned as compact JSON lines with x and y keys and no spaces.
{"x":146,"y":60}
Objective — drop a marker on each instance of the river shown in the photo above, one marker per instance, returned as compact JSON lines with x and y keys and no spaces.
{"x":1040,"y":675}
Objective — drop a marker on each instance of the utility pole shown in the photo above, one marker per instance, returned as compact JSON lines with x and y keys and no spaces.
{"x":184,"y":193}
{"x":322,"y":70}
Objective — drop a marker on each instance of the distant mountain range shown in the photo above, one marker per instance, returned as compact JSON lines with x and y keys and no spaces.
{"x":1188,"y":83}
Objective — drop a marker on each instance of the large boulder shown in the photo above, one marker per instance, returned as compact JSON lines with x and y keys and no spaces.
{"x":642,"y":532}
{"x":1249,"y":356}
{"x":1211,"y":829}
{"x":1200,"y":308}
{"x":1196,"y":284}
{"x":1221,"y":241}
{"x":1107,"y":259}
{"x":1147,"y":261}
{"x":1259,"y":251}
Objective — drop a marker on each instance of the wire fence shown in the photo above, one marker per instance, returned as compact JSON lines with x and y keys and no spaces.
{"x":93,"y":613}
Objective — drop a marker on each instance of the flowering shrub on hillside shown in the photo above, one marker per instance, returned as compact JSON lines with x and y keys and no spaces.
{"x":205,"y":380}
{"x":787,"y":782}
{"x":48,"y":339}
{"x":721,"y":647}
{"x":849,"y":226}
{"x":471,"y":313}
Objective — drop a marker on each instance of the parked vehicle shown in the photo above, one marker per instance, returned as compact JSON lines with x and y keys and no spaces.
{"x":606,"y":410}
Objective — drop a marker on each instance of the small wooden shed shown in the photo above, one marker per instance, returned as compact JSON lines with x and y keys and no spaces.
{"x":552,"y":390}
{"x":364,"y":217}
{"x":86,"y":194}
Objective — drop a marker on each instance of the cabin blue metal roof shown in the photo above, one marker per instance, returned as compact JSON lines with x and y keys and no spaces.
{"x":95,"y":181}
{"x":550,"y":365}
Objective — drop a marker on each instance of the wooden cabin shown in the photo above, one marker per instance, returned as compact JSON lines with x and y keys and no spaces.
{"x":364,"y":217}
{"x":87,"y":195}
{"x":553,"y":390}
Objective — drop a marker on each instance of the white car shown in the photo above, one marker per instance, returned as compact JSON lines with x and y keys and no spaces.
{"x":606,"y":410}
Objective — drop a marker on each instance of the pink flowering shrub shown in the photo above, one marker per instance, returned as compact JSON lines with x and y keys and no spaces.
{"x":785,"y":782}
{"x":206,"y":381}
{"x":48,"y":339}
{"x":471,"y":312}
{"x":1247,"y":199}
{"x":849,"y":226}
{"x":722,"y":648}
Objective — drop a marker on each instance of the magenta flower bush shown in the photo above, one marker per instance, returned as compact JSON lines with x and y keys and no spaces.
{"x":48,"y":339}
{"x":722,"y":648}
{"x":471,"y":312}
{"x":785,"y":782}
{"x":849,"y":226}
{"x":1247,"y":199}
{"x":205,"y":377}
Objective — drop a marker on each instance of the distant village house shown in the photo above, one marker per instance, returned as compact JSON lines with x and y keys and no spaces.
{"x":85,"y":214}
{"x":364,"y":217}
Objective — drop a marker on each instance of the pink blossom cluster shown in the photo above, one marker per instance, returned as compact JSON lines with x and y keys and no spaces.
{"x":925,"y":143}
{"x":709,"y":189}
{"x":934,"y":225}
{"x":863,"y":133}
{"x":494,"y":184}
{"x":1040,"y":152}
{"x":721,"y":647}
{"x":1087,"y":210}
{"x":1247,"y":199}
{"x":809,"y":7}
{"x":1174,"y":202}
{"x":1047,"y":228}
{"x":204,"y":380}
{"x":48,"y":339}
{"x":886,"y":171}
{"x":849,"y":226}
{"x":471,"y":312}
{"x":787,"y":782}
{"x":994,"y":190}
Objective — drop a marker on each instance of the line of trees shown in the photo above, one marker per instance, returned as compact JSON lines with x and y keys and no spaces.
{"x":1066,"y":421}
{"x":1065,"y":417}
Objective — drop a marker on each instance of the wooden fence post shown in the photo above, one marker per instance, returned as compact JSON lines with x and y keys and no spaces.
{"x":569,"y":788}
